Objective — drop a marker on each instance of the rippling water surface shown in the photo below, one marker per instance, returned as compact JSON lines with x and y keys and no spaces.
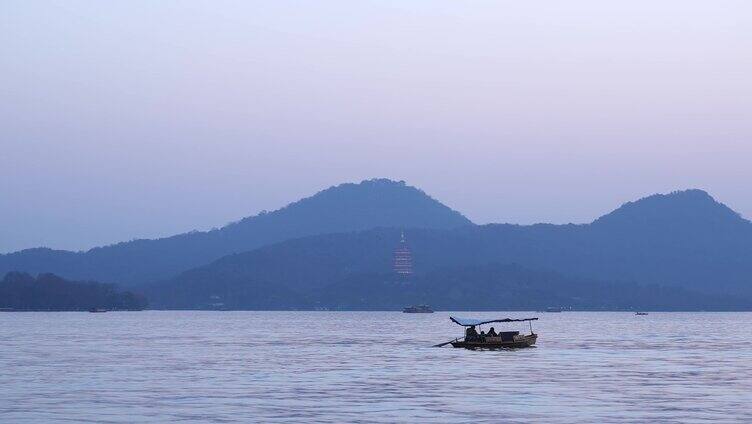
{"x":371,"y":366}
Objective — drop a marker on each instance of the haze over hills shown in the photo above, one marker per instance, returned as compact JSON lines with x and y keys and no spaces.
{"x":684,"y":240}
{"x":321,"y":252}
{"x":346,"y":207}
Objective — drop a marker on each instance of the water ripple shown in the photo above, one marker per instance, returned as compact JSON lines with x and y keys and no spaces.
{"x":370,"y":367}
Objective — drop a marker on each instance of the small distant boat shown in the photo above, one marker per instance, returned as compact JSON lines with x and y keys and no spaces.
{"x":641,"y":313}
{"x":502,"y":340}
{"x":420,"y":309}
{"x":97,"y":310}
{"x":551,"y":309}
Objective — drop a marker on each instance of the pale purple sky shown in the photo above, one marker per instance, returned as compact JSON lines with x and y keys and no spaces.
{"x":130,"y":119}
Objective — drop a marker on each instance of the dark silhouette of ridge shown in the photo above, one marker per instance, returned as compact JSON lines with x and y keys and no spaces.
{"x":497,"y":287}
{"x":346,"y":207}
{"x":287,"y":258}
{"x":683,"y":240}
{"x":48,"y":292}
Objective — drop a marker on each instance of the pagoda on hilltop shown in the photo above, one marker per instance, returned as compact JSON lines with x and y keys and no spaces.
{"x":403,"y":259}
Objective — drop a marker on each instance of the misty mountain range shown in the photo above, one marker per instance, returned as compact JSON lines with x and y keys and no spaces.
{"x":347,"y":207}
{"x":681,"y":250}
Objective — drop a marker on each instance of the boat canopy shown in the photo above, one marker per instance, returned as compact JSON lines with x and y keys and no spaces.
{"x":469,"y":322}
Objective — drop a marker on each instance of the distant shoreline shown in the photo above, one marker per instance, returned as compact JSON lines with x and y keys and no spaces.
{"x":390,"y":310}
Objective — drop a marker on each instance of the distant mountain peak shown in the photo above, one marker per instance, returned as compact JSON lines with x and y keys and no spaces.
{"x":343,"y":208}
{"x":691,"y":206}
{"x":384,"y":199}
{"x":373,"y":185}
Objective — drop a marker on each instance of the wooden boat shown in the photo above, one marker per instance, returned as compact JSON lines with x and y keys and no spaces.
{"x":420,"y":309}
{"x":502,"y":340}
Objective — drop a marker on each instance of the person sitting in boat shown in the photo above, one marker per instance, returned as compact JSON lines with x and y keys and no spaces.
{"x":471,"y":334}
{"x":492,"y":333}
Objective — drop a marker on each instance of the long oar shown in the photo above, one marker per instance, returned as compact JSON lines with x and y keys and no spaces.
{"x":445,"y":343}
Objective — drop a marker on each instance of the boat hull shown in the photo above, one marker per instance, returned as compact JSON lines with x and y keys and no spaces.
{"x":519,"y":342}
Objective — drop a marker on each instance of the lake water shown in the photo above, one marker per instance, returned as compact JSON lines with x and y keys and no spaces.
{"x":371,"y":367}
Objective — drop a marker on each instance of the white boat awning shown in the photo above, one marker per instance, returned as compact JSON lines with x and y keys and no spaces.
{"x":471,"y":322}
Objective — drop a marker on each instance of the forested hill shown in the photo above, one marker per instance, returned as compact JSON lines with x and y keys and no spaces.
{"x":48,"y":292}
{"x":495,"y":287}
{"x":479,"y":287}
{"x":346,"y":207}
{"x":682,"y":240}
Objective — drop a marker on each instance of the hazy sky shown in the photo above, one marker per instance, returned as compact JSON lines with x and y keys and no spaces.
{"x":131,"y":119}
